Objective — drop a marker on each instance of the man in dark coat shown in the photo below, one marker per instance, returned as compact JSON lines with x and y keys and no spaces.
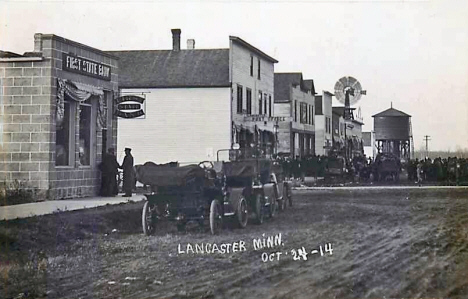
{"x":109,"y":169}
{"x":127,"y":166}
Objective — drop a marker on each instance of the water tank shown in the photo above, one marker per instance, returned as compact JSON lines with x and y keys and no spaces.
{"x":392,"y":124}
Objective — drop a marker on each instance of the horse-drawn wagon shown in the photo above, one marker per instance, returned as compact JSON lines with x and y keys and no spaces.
{"x":386,"y":166}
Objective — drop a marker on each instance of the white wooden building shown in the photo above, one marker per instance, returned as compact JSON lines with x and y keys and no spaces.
{"x":196,"y":101}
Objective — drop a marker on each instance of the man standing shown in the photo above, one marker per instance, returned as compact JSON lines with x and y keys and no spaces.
{"x":109,"y":168}
{"x":127,"y":166}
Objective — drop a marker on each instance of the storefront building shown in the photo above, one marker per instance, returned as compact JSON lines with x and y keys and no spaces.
{"x":323,"y":123}
{"x":196,"y":102}
{"x":295,"y":102}
{"x":347,"y":134}
{"x":57,"y":116}
{"x":254,"y":122}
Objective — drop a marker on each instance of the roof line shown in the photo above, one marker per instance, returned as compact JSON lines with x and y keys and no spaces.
{"x":252,"y":48}
{"x":174,"y":86}
{"x":76,"y":44}
{"x":288,"y":73}
{"x":165,"y":50}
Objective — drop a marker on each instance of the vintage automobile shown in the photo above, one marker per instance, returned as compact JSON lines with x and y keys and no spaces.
{"x":254,"y":185}
{"x":386,"y":165}
{"x":182,"y":194}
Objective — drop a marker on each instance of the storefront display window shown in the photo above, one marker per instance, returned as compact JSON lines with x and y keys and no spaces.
{"x":63,"y":133}
{"x":85,"y":133}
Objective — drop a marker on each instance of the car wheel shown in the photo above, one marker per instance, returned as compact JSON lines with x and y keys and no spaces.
{"x":242,"y":213}
{"x":216,"y":220}
{"x":258,"y":209}
{"x":147,"y":218}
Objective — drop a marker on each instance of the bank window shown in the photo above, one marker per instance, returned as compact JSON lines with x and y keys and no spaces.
{"x":63,"y":136}
{"x":260,"y":103}
{"x":251,"y":65}
{"x":239,"y":99}
{"x":85,"y":133}
{"x":258,"y":70}
{"x":265,"y":103}
{"x":248,"y":93}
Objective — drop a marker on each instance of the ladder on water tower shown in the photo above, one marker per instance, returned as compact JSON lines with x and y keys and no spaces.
{"x":411,"y":139}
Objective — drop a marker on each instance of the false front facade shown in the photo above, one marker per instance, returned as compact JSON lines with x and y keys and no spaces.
{"x":294,"y":105}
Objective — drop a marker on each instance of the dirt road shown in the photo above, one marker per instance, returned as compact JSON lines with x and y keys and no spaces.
{"x":384,"y":244}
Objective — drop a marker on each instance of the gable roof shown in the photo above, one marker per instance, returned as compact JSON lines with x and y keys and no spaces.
{"x":8,"y":54}
{"x":171,"y":69}
{"x":245,"y":44}
{"x":391,"y":112}
{"x":309,"y":84}
{"x":283,"y":81}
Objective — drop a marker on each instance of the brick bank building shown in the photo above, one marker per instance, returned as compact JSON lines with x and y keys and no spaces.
{"x":56,"y":116}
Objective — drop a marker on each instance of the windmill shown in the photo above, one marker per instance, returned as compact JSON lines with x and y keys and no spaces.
{"x":348,"y":91}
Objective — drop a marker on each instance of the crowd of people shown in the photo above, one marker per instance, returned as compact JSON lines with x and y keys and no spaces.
{"x":449,"y":170}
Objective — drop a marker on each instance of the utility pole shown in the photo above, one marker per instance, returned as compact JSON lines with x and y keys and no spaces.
{"x":427,"y":138}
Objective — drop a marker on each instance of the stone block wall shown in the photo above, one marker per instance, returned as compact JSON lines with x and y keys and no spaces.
{"x":28,"y":93}
{"x":25,"y":112}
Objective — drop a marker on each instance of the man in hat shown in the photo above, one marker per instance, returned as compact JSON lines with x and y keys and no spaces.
{"x":127,"y":166}
{"x":109,"y":169}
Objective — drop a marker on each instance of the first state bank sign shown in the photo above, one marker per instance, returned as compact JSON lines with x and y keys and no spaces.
{"x":83,"y":66}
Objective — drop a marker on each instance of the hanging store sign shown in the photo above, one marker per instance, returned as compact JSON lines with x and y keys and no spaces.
{"x":130,"y":107}
{"x":83,"y":66}
{"x":264,"y":118}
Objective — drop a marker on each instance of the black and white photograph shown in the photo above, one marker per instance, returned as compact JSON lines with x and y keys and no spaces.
{"x":233,"y":149}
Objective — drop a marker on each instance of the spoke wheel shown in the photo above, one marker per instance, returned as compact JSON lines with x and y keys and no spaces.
{"x":242,"y":213}
{"x":216,"y":220}
{"x":147,"y":219}
{"x":258,"y":209}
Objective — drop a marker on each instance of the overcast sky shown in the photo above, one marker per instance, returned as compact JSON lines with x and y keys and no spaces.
{"x":411,"y":53}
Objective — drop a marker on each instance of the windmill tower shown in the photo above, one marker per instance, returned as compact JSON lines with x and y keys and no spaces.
{"x":348,"y":91}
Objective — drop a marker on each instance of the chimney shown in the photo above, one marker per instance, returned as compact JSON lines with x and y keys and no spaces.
{"x":38,"y":42}
{"x":190,"y":44}
{"x":175,"y":39}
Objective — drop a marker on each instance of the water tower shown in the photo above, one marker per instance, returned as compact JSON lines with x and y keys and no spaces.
{"x":393,"y":133}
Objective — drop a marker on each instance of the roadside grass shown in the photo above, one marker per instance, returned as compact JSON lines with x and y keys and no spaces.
{"x":21,"y":239}
{"x":29,"y":246}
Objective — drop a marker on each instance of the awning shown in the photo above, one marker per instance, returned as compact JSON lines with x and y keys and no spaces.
{"x":89,"y":88}
{"x":79,"y":92}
